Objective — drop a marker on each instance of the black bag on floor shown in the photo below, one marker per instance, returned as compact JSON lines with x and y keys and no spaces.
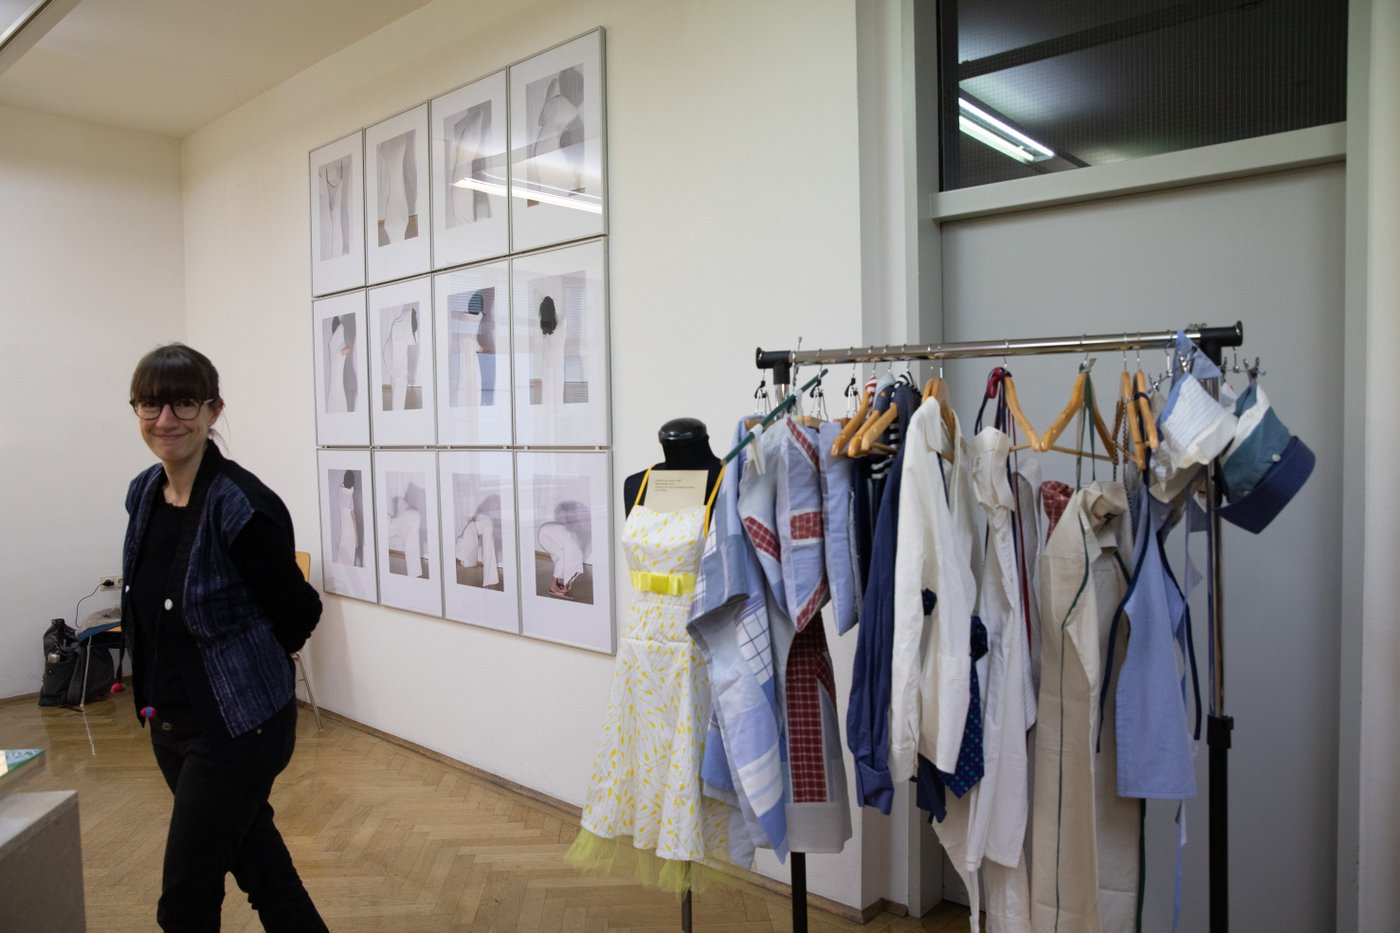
{"x":98,"y":679}
{"x":60,"y":658}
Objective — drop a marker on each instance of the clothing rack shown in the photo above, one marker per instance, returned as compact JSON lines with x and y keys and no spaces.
{"x":1211,"y":340}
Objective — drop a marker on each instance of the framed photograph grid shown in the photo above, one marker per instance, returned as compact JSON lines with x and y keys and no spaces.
{"x":337,"y":215}
{"x":460,"y":361}
{"x":347,"y":524}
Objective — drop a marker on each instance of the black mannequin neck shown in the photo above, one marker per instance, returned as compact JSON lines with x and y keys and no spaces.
{"x":686,"y":446}
{"x":689,"y":454}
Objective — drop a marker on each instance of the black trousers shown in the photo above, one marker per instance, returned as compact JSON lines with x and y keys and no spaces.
{"x":222,"y":823}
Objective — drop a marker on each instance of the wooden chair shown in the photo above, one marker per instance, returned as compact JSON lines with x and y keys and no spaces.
{"x":304,"y":562}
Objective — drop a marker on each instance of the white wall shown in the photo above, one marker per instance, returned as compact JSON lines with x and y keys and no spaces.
{"x":734,"y":222}
{"x":1268,"y":251}
{"x":1378,"y":715}
{"x":91,"y":259}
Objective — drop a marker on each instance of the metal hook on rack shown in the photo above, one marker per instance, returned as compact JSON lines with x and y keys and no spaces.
{"x":818,"y":395}
{"x":761,"y":394}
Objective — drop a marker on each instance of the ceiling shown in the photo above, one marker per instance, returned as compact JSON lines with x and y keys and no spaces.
{"x":172,"y":66}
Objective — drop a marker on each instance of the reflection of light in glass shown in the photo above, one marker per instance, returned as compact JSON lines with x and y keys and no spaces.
{"x":1001,"y":136}
{"x":559,"y":197}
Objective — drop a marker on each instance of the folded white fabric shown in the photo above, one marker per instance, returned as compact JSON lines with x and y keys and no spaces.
{"x":1194,"y":429}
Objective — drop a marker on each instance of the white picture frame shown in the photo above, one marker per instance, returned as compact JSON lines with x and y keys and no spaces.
{"x":471,"y":209}
{"x":558,"y":143}
{"x":397,"y":226}
{"x":565,"y":546}
{"x":481,"y":580}
{"x":406,"y":530}
{"x":336,"y":173}
{"x":402,"y":394}
{"x":347,"y":524}
{"x":473,"y":332}
{"x":559,"y":313}
{"x":341,"y":368}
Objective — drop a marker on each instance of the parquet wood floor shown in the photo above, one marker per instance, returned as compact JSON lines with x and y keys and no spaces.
{"x":386,"y":839}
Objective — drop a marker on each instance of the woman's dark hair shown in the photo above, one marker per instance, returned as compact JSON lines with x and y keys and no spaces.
{"x":175,"y":371}
{"x":348,"y":481}
{"x":548,"y":318}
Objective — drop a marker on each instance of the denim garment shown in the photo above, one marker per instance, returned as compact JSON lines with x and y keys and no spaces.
{"x":729,"y":622}
{"x":818,"y":816}
{"x":1155,"y":757}
{"x":868,"y":711}
{"x":836,"y":518}
{"x":247,"y":668}
{"x":800,"y":525}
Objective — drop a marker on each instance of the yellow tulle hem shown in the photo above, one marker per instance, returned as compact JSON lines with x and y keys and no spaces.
{"x":592,"y":854}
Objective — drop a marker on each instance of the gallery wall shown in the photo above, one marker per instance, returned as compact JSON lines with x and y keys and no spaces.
{"x":91,"y":261}
{"x":734,"y":222}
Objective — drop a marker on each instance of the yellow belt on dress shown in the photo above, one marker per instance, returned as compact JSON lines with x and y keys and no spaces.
{"x":670,"y":584}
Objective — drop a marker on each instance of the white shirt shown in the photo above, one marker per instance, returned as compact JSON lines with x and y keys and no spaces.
{"x":929,"y":685}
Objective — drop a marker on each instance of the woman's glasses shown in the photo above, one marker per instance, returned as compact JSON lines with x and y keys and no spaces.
{"x":186,"y":409}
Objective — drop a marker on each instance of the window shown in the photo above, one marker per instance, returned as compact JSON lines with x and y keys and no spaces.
{"x":1031,"y":87}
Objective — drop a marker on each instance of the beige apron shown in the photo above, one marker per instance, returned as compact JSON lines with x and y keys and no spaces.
{"x":1085,"y":838}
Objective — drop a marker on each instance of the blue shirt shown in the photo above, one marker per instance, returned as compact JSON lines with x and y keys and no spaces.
{"x":868,"y":714}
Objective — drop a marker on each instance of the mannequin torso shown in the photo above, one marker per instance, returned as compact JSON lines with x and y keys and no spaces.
{"x":686,"y":445}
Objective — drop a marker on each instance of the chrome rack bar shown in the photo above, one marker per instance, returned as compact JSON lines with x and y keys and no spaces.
{"x":1208,"y":338}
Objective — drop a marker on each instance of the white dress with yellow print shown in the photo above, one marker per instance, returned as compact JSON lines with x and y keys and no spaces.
{"x":646,"y":787}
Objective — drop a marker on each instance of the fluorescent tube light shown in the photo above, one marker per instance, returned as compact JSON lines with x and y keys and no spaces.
{"x":557,"y":196}
{"x":999,"y":135}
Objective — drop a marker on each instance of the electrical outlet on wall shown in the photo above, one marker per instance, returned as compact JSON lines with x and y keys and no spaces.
{"x":109,"y":581}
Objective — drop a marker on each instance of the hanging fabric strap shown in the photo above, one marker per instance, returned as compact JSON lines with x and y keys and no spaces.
{"x":641,"y":490}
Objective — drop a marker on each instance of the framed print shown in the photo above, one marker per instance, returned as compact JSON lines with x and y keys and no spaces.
{"x":472,"y":315}
{"x":347,"y":523}
{"x":396,"y":196}
{"x":337,"y":216}
{"x":342,"y":370}
{"x":401,"y":363}
{"x":565,"y":547}
{"x":557,"y":141}
{"x":480,"y":582}
{"x":406,"y":503}
{"x":560,"y":345}
{"x":470,"y":208}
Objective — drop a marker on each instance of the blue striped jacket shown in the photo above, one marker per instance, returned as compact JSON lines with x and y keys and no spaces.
{"x":250,"y":675}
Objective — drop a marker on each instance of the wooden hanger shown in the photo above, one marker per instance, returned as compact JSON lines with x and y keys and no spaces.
{"x":1075,"y":406}
{"x":1127,"y":408}
{"x":852,"y":426}
{"x":854,"y":446}
{"x":1149,"y":421}
{"x":937,"y":389}
{"x":868,"y":440}
{"x":1013,"y":405}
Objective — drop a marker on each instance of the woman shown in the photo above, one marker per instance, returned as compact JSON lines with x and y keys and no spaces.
{"x":216,"y":604}
{"x":338,"y":350}
{"x":347,"y":546}
{"x":565,"y":553}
